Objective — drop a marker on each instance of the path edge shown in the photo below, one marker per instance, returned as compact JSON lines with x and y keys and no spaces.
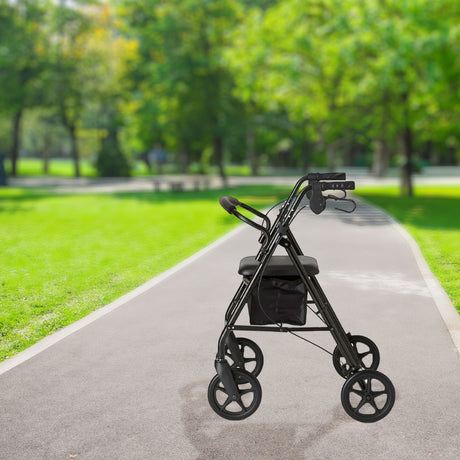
{"x":440,"y":298}
{"x":61,"y":334}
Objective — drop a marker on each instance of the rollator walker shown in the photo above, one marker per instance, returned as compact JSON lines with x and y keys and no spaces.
{"x":278,"y":290}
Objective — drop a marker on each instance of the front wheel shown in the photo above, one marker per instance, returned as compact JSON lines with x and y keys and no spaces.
{"x":250,"y":396}
{"x":368,"y":396}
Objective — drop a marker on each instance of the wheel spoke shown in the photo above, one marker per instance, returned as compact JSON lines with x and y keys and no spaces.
{"x":240,"y":403}
{"x":368,"y":385}
{"x":363,"y":355}
{"x":245,"y":392}
{"x":376,"y":394}
{"x":361,"y":404}
{"x":221,"y":388}
{"x":372,"y":403}
{"x":228,"y":401}
{"x":359,"y":393}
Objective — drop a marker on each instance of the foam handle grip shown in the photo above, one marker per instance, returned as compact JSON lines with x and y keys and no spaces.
{"x":229,"y":203}
{"x":326,"y":176}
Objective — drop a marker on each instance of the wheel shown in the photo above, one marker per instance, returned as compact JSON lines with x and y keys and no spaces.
{"x":368,"y":396}
{"x":369,"y":356}
{"x":253,"y":357}
{"x":250,"y":396}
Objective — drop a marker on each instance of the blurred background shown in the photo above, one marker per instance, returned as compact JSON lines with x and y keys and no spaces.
{"x":230,"y":87}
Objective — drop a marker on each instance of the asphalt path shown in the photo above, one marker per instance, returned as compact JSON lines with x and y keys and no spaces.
{"x":132,"y":384}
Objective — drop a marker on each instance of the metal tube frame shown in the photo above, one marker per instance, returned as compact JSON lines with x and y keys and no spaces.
{"x":280,"y":234}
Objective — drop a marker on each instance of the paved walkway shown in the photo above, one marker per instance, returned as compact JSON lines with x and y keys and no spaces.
{"x":132,"y":384}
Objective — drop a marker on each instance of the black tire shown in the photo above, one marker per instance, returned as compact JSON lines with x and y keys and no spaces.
{"x":368,"y":396}
{"x":368,"y":353}
{"x":228,"y":408}
{"x":253,"y":357}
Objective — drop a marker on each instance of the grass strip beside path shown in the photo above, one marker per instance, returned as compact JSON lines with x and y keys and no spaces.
{"x":432,"y":217}
{"x":63,"y":256}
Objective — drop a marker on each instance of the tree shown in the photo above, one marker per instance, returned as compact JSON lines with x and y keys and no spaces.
{"x":399,"y":46}
{"x":298,"y":67}
{"x":371,"y":74}
{"x":72,"y":71}
{"x":23,"y":61}
{"x":182,"y":45}
{"x":107,"y":92}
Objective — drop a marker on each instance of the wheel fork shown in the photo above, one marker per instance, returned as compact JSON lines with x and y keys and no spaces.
{"x":225,"y":374}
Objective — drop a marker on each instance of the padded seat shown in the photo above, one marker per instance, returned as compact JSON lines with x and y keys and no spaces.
{"x":278,"y":266}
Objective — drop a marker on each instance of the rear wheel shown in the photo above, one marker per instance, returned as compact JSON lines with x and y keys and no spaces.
{"x":253,"y":358}
{"x":368,"y":353}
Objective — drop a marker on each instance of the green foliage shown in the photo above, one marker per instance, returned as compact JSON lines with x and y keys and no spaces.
{"x":22,"y":55}
{"x":185,"y":92}
{"x":336,"y":81}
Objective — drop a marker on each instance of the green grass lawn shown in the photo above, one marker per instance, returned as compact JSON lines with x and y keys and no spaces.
{"x":57,"y":167}
{"x":63,"y":167}
{"x":432,"y":217}
{"x":63,"y":256}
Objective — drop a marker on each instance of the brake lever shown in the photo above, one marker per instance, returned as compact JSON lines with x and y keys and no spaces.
{"x":333,"y":197}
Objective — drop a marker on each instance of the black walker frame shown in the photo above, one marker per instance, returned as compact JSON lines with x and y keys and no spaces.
{"x":235,"y":393}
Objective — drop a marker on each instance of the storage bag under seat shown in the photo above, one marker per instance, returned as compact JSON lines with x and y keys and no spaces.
{"x":280,"y":296}
{"x":278,"y":300}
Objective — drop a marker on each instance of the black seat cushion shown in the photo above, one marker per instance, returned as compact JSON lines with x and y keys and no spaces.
{"x":278,"y":266}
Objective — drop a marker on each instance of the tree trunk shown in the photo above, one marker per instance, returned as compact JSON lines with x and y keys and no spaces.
{"x":331,"y":156}
{"x":46,"y":153}
{"x":3,"y":178}
{"x":407,"y":146}
{"x":16,"y":141}
{"x":252,"y":154}
{"x":380,"y":158}
{"x":219,"y":158}
{"x":74,"y":150}
{"x":184,"y":159}
{"x":406,"y":170}
{"x":427,"y":150}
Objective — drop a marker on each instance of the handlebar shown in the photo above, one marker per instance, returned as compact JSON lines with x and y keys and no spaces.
{"x":318,"y":200}
{"x":326,"y":176}
{"x":229,"y":203}
{"x":313,"y":191}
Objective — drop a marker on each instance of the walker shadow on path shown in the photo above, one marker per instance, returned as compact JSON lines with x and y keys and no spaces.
{"x":133,"y":384}
{"x":262,"y":440}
